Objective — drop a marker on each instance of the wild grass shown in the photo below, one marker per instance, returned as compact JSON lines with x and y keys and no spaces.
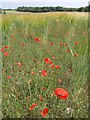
{"x":23,"y":88}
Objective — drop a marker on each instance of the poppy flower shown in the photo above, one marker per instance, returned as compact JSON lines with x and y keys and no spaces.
{"x":41,"y":98}
{"x":6,"y":54}
{"x":61,"y":93}
{"x":44,"y":73}
{"x":5,"y":46}
{"x":68,"y":50}
{"x":50,"y":62}
{"x":51,"y":44}
{"x":8,"y":77}
{"x":13,"y":37}
{"x":75,"y":55}
{"x":65,"y":44}
{"x":76,"y":42}
{"x":43,"y":88}
{"x":61,"y":44}
{"x":47,"y":60}
{"x":52,"y":65}
{"x":19,"y":64}
{"x":44,"y":112}
{"x":32,"y":72}
{"x":37,"y":39}
{"x":57,"y":66}
{"x":23,"y":44}
{"x":34,"y":60}
{"x":33,"y":106}
{"x":2,"y":49}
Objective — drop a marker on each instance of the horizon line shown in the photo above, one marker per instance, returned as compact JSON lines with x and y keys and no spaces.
{"x":44,"y":6}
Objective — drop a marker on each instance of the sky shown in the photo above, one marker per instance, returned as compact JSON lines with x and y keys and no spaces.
{"x":13,"y":4}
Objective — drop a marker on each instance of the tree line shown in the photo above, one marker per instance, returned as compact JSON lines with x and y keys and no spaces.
{"x":52,"y":9}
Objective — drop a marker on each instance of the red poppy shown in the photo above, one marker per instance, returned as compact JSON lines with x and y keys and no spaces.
{"x":8,"y":77}
{"x":33,"y":106}
{"x":43,"y":88}
{"x":37,"y":39}
{"x":75,"y":55}
{"x":61,"y":44}
{"x":44,"y":73}
{"x":52,"y":65}
{"x":51,"y":44}
{"x":51,"y":62}
{"x":68,"y":50}
{"x":2,"y":49}
{"x":32,"y":72}
{"x":61,"y":93}
{"x":76,"y":42}
{"x":47,"y":60}
{"x":65,"y":44}
{"x":57,"y":66}
{"x":6,"y":54}
{"x":19,"y":64}
{"x":44,"y":112}
{"x":13,"y":37}
{"x":5,"y":46}
{"x":34,"y":60}
{"x":23,"y":44}
{"x":41,"y":98}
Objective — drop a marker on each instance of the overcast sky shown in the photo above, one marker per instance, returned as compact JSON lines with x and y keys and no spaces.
{"x":64,"y":3}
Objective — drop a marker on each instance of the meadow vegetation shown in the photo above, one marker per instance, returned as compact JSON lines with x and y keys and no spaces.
{"x":42,"y":52}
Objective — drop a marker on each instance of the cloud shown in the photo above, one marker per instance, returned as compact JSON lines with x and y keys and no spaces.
{"x":50,"y":1}
{"x":64,"y":3}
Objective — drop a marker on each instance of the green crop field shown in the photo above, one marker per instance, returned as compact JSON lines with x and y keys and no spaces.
{"x":44,"y":65}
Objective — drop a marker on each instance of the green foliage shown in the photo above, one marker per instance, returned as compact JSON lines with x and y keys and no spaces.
{"x":87,"y":8}
{"x":81,"y":9}
{"x":52,"y":9}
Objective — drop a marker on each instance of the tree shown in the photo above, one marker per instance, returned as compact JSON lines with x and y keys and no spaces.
{"x":52,"y":9}
{"x":87,"y":8}
{"x":81,"y":9}
{"x":59,"y":8}
{"x":4,"y":12}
